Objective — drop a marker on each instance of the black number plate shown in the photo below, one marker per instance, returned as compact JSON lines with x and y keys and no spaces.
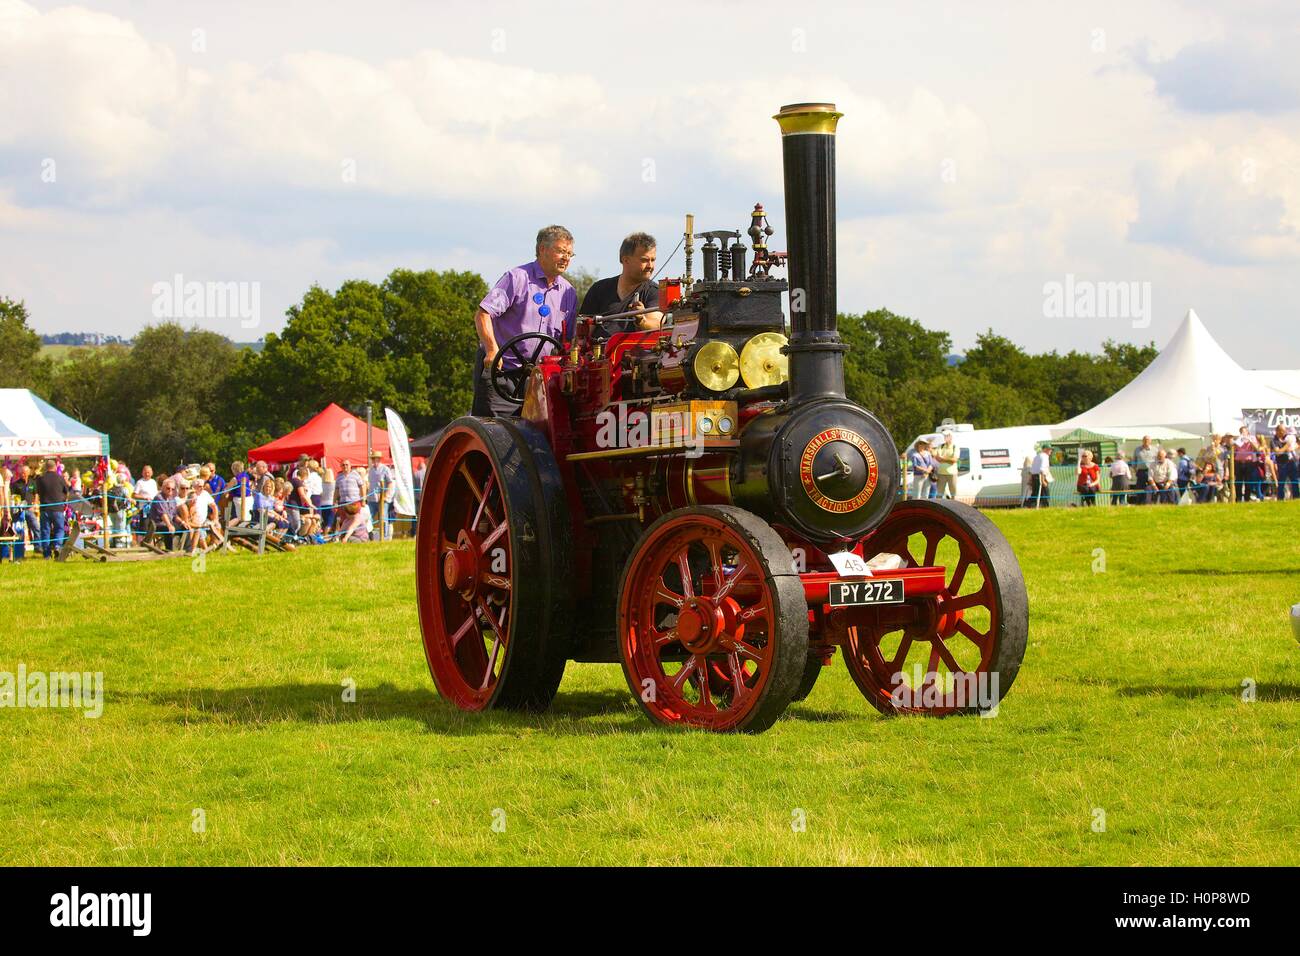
{"x":853,"y":593}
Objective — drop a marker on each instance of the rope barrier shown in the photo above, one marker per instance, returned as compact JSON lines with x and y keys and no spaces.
{"x":133,"y":505}
{"x":117,"y":514}
{"x":134,"y":511}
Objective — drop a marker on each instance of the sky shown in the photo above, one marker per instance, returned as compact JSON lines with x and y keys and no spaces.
{"x":1130,"y":160}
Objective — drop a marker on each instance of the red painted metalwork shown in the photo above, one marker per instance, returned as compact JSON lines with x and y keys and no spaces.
{"x":940,"y":619}
{"x":462,"y":596}
{"x":917,"y":582}
{"x":698,"y":643}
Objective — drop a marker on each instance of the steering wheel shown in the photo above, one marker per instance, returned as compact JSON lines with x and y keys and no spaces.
{"x":512,"y":383}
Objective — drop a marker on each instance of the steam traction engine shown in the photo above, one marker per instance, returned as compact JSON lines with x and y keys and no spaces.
{"x":702,"y":504}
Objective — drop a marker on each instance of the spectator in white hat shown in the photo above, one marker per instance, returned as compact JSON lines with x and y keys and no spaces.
{"x":919,"y":465}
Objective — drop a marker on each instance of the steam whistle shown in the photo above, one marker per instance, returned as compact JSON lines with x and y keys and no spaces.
{"x":688,"y":279}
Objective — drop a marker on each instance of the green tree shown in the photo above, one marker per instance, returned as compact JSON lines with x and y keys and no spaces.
{"x":996,"y":358}
{"x":86,"y":382}
{"x":888,"y":355}
{"x":432,"y":315}
{"x":207,"y":442}
{"x":891,"y":348}
{"x":1056,"y":386}
{"x":1131,"y":358}
{"x":918,"y":405}
{"x":581,"y":280}
{"x":407,"y":343}
{"x":21,"y":363}
{"x":168,"y":386}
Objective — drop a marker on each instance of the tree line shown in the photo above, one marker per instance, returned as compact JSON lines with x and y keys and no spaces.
{"x":408,"y":342}
{"x":899,"y":370}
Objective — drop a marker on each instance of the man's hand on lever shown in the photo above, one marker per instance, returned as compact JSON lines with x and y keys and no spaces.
{"x":649,"y":321}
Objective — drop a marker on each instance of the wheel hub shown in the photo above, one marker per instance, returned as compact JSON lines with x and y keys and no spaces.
{"x":705,"y":627}
{"x":945,"y":620}
{"x":461,"y":564}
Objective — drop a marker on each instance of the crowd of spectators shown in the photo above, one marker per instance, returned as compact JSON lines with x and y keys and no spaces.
{"x":192,"y":508}
{"x":1241,"y":468}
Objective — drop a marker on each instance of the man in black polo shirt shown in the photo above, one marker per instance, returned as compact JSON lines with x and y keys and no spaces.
{"x":632,"y":289}
{"x":52,"y":490}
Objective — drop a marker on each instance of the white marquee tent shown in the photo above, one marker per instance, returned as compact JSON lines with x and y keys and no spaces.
{"x":31,"y":426}
{"x":1192,"y":385}
{"x":1284,"y":380}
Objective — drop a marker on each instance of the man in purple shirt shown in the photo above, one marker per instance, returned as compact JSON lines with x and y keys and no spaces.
{"x":534,"y":297}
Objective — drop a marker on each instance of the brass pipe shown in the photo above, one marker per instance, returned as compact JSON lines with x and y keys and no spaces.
{"x":639,"y":452}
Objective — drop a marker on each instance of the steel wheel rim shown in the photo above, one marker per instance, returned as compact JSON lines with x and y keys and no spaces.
{"x":466,"y":601}
{"x":722,"y":672}
{"x":945,"y":621}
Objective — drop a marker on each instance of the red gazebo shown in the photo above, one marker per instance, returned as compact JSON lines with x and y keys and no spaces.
{"x":332,"y":435}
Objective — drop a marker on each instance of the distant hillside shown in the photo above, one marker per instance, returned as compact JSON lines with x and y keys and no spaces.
{"x":59,"y":344}
{"x":60,"y":353}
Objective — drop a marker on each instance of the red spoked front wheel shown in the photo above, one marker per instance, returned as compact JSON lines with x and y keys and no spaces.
{"x":492,"y":567}
{"x":712,"y":621}
{"x":960,"y":650}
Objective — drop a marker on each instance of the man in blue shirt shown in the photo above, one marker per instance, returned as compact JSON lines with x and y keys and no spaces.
{"x":380,"y":484}
{"x":1186,"y":468}
{"x":216,"y":484}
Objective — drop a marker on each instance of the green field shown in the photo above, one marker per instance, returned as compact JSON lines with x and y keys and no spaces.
{"x":61,"y":353}
{"x":223,"y":694}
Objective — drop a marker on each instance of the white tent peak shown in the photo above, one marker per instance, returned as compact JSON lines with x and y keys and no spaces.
{"x":1193,"y":385}
{"x":1192,"y":350}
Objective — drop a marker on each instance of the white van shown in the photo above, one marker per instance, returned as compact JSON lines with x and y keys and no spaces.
{"x":991,"y":460}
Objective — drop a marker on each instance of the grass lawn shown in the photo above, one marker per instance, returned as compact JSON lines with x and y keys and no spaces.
{"x":223,"y":694}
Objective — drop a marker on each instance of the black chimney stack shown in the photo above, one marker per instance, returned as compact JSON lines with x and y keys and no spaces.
{"x":808,"y":150}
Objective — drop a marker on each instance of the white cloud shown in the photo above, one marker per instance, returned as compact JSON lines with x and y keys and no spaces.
{"x":98,"y":271}
{"x":78,"y":83}
{"x":1229,"y":204}
{"x":227,"y":163}
{"x":115,"y":109}
{"x":428,"y":126}
{"x":1252,"y":67}
{"x":917,"y":151}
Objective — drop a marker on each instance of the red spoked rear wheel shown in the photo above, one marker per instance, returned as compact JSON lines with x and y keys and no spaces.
{"x":960,"y":650}
{"x":492,"y":558}
{"x":712,"y":621}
